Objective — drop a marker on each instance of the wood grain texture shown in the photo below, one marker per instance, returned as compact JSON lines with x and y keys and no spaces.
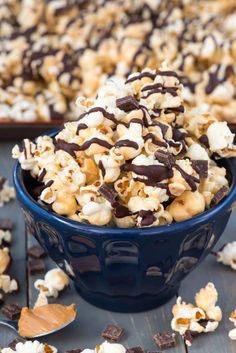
{"x":86,"y":330}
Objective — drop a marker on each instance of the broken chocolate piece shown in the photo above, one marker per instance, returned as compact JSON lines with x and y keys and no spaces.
{"x":2,"y":182}
{"x":108,"y":193}
{"x":127,"y":103}
{"x":165,"y":339}
{"x":13,"y":344}
{"x":113,"y":333}
{"x":37,"y":252}
{"x":219,"y":196}
{"x":36,"y":266}
{"x":189,"y":337}
{"x":148,"y":218}
{"x":135,"y":350}
{"x":11,"y":311}
{"x":74,"y":351}
{"x":165,"y":157}
{"x":204,"y":140}
{"x":201,"y":167}
{"x":6,"y":224}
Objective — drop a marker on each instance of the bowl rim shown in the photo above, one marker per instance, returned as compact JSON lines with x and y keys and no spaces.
{"x":33,"y":205}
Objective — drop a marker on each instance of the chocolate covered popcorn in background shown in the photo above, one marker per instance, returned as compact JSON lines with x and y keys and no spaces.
{"x":51,"y":52}
{"x":133,"y":157}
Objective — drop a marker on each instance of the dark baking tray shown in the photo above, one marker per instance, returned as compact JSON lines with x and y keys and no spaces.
{"x":11,"y":131}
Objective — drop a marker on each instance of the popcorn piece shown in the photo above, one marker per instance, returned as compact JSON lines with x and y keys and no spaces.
{"x":190,"y":320}
{"x":232,"y":318}
{"x":32,"y":347}
{"x":54,"y":282}
{"x":7,"y":284}
{"x":219,"y":136}
{"x":5,"y":260}
{"x":227,"y":255}
{"x":6,"y":192}
{"x":5,"y":236}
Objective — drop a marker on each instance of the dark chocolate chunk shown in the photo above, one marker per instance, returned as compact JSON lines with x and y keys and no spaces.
{"x":36,"y":266}
{"x":127,"y":103}
{"x":108,"y":193}
{"x":37,"y":252}
{"x":11,"y":311}
{"x":74,"y":351}
{"x":165,"y":157}
{"x":148,"y":218}
{"x":189,"y":336}
{"x":112,"y":333}
{"x":135,"y":350}
{"x":201,"y":167}
{"x":219,"y":196}
{"x":6,"y":224}
{"x":2,"y":182}
{"x":111,"y":195}
{"x":178,"y":135}
{"x":204,"y":141}
{"x":165,"y":339}
{"x":13,"y":344}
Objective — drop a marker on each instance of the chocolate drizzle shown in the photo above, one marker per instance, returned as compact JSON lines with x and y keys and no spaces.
{"x":214,"y":80}
{"x":153,"y":173}
{"x":107,"y":115}
{"x":97,"y":141}
{"x":191,"y":180}
{"x":81,"y":127}
{"x":140,"y":76}
{"x":127,"y":143}
{"x":42,"y":175}
{"x":152,"y":137}
{"x":66,"y":146}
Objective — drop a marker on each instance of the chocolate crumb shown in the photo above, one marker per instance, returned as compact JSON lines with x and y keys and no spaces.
{"x":135,"y":350}
{"x":6,"y":224}
{"x":37,"y":252}
{"x":74,"y":351}
{"x":113,"y":333}
{"x":165,"y":339}
{"x":219,"y":196}
{"x":36,"y":266}
{"x":127,"y":103}
{"x":201,"y":167}
{"x":13,"y":344}
{"x":189,"y":336}
{"x":11,"y":311}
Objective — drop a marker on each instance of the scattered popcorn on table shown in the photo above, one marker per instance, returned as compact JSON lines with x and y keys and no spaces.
{"x":5,"y":236}
{"x":227,"y":255}
{"x":6,"y":192}
{"x":190,"y":320}
{"x":133,"y":158}
{"x":232,"y":318}
{"x":30,"y":347}
{"x":54,"y":282}
{"x":7,"y":284}
{"x":5,"y":260}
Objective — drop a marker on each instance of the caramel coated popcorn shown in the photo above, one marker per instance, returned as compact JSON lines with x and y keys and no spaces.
{"x":66,"y":47}
{"x":133,"y":157}
{"x":191,"y":320}
{"x":232,"y":318}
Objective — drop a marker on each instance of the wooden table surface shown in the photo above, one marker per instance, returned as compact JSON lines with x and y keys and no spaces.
{"x":139,"y":328}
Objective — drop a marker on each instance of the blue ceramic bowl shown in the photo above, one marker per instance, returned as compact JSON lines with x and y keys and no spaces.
{"x":125,"y":269}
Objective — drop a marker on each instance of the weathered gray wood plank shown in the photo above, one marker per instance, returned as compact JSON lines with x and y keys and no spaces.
{"x":12,"y":211}
{"x":224,"y":279}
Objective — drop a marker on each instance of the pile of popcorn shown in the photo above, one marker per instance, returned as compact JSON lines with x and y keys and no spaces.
{"x":191,"y":320}
{"x":37,"y":347}
{"x":69,"y":46}
{"x":133,"y":158}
